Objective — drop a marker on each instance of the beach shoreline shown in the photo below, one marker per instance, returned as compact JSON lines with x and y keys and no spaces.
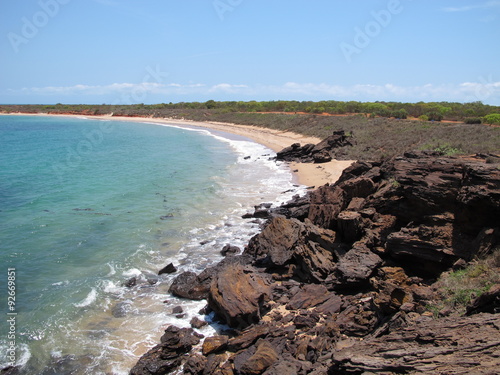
{"x":307,"y":174}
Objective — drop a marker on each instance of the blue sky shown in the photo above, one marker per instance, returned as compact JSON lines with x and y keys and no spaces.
{"x":155,"y":51}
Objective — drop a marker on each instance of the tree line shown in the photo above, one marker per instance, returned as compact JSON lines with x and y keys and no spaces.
{"x":472,"y":113}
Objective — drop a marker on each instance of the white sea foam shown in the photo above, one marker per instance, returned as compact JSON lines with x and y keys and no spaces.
{"x":60,"y":283}
{"x":90,"y":299}
{"x":112,"y":270}
{"x":24,"y":354}
{"x":132,"y":272}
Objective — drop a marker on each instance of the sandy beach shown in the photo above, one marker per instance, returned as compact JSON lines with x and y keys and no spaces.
{"x":311,"y":175}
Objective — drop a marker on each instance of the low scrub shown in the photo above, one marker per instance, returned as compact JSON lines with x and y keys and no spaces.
{"x":458,"y":288}
{"x":492,"y":119}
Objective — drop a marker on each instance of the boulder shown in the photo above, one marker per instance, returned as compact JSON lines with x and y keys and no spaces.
{"x":169,"y":268}
{"x":323,"y":152}
{"x":214,"y":344}
{"x":198,"y":323}
{"x":188,"y":285}
{"x":264,"y":357}
{"x":229,"y":250}
{"x":239,"y":295}
{"x":486,"y":302}
{"x":287,"y":242}
{"x":276,"y":241}
{"x":167,"y":356}
{"x":356,"y":266}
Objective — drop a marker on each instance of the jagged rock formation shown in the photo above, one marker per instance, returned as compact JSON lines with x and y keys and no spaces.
{"x":355,"y":260}
{"x":323,"y":152}
{"x":467,"y":345}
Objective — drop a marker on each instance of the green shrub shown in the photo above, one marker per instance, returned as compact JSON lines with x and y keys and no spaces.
{"x":492,"y":119}
{"x":399,"y":114}
{"x":434,"y":116}
{"x":473,"y":120}
{"x":423,"y":118}
{"x":448,"y":150}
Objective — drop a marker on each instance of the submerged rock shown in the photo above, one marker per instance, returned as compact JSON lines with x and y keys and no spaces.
{"x":169,"y":268}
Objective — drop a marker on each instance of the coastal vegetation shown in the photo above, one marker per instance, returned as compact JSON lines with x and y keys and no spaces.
{"x":432,"y":111}
{"x":457,"y":289}
{"x":380,"y":130}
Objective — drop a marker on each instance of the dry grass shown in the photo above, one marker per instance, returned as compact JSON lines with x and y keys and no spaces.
{"x":380,"y":138}
{"x":458,"y":288}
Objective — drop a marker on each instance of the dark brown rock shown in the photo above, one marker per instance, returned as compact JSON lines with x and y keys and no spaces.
{"x":393,"y":287}
{"x":169,"y":268}
{"x":469,"y":345}
{"x":288,"y":241}
{"x":249,"y":336}
{"x":486,"y":302}
{"x":349,"y":226}
{"x":214,"y":344}
{"x":309,"y":296}
{"x":188,"y":285}
{"x":198,"y":323}
{"x":326,"y":203}
{"x":166,"y":356}
{"x":357,"y":265}
{"x":359,"y":318}
{"x":195,"y":364}
{"x":239,"y":294}
{"x":331,"y":306}
{"x":131,"y":282}
{"x":229,"y":250}
{"x":263,"y":358}
{"x":323,"y":152}
{"x":426,"y":249}
{"x":276,"y":241}
{"x":306,"y":320}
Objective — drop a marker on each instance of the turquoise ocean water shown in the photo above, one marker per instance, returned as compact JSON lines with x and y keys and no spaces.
{"x":87,"y":204}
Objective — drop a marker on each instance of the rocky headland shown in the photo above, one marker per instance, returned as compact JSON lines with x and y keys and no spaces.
{"x":339,"y":281}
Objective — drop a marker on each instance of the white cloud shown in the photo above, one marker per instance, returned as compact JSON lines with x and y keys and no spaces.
{"x":226,"y":87}
{"x":485,"y":89}
{"x":466,"y":8}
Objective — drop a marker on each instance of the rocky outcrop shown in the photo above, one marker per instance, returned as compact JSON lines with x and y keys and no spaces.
{"x":468,"y":345}
{"x":166,"y":357}
{"x":197,"y":286}
{"x":323,"y":152}
{"x":239,"y":294}
{"x":338,"y":281}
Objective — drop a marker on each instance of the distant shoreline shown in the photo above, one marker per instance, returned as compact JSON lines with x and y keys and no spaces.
{"x":312,"y":175}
